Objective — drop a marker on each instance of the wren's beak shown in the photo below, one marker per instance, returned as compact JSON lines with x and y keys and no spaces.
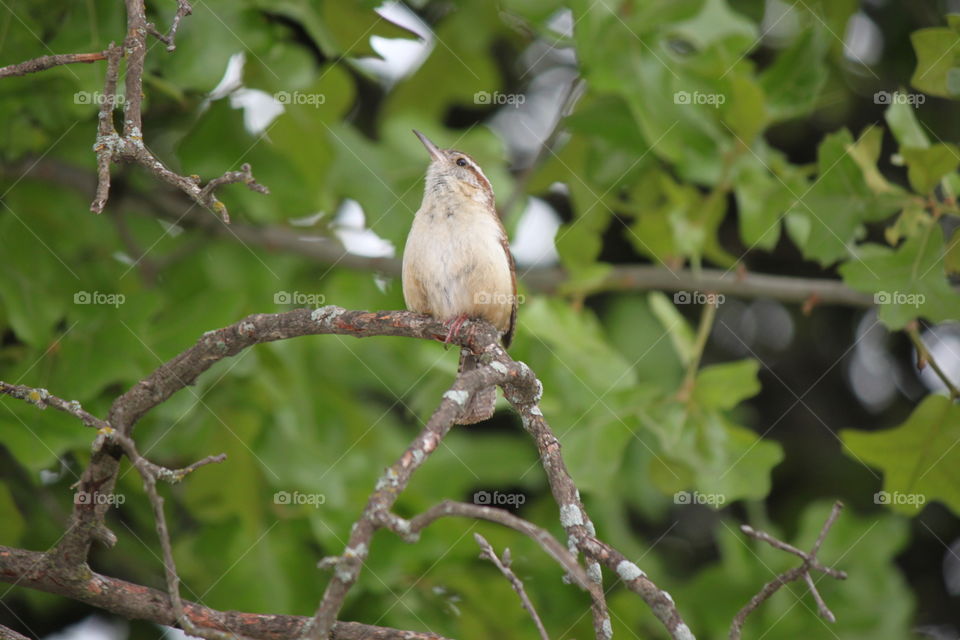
{"x":432,"y":149}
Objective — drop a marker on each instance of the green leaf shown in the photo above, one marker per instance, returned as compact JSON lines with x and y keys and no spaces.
{"x":938,"y":59}
{"x":839,"y":202}
{"x":681,"y":335}
{"x":762,"y":200}
{"x":792,"y":83}
{"x":724,"y":386}
{"x":908,"y":282}
{"x":866,"y":152}
{"x":594,"y":450}
{"x":902,"y":119}
{"x":745,"y":111}
{"x":927,"y":166}
{"x":13,"y":523}
{"x":632,"y":326}
{"x":716,"y":23}
{"x":920,"y":459}
{"x":912,"y":221}
{"x":706,"y":452}
{"x":576,"y":339}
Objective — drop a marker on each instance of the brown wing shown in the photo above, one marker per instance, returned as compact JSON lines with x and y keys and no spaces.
{"x":508,"y":334}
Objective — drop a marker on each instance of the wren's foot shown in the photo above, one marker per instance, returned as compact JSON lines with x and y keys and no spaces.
{"x":454,"y":325}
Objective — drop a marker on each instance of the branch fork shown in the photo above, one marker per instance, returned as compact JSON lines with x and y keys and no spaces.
{"x":66,"y":565}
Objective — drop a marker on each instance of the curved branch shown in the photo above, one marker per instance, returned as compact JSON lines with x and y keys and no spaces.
{"x":136,"y":602}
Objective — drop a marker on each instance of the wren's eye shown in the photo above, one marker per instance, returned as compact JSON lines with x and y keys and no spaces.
{"x":461,"y":162}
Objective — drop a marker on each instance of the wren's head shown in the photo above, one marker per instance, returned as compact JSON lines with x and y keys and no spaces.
{"x":453,"y":172}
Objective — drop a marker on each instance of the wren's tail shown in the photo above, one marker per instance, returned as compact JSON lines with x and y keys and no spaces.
{"x":481,"y":405}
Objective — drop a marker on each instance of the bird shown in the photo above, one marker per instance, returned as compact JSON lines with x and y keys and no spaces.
{"x":457,"y":263}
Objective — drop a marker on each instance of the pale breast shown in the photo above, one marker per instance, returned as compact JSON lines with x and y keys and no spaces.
{"x":454,"y":263}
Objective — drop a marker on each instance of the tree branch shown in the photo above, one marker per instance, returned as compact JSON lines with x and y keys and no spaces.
{"x":410,"y":530}
{"x":521,"y":388}
{"x":924,"y":357}
{"x":33,"y":570}
{"x":622,"y":277}
{"x":110,"y":145}
{"x":150,"y":473}
{"x":47,"y":62}
{"x":487,"y":552}
{"x":810,"y":562}
{"x":183,"y":9}
{"x":41,"y":398}
{"x":10,"y":634}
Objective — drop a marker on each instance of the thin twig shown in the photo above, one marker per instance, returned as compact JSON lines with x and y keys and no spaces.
{"x":802,"y":572}
{"x":46,"y":62}
{"x":821,"y":605}
{"x":150,"y":473}
{"x":410,"y":530}
{"x":106,"y":131}
{"x":487,"y":552}
{"x":924,"y":357}
{"x":183,"y":9}
{"x":41,"y":398}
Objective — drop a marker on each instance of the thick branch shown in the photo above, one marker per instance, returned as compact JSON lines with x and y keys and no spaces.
{"x":34,"y":570}
{"x":135,"y":49}
{"x":86,"y":522}
{"x":46,"y":62}
{"x":9,"y":634}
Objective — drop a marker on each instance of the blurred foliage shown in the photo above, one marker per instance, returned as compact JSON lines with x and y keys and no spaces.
{"x":672,"y":157}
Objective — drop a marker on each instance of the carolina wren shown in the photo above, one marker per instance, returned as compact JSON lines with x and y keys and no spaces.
{"x":457,"y":262}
